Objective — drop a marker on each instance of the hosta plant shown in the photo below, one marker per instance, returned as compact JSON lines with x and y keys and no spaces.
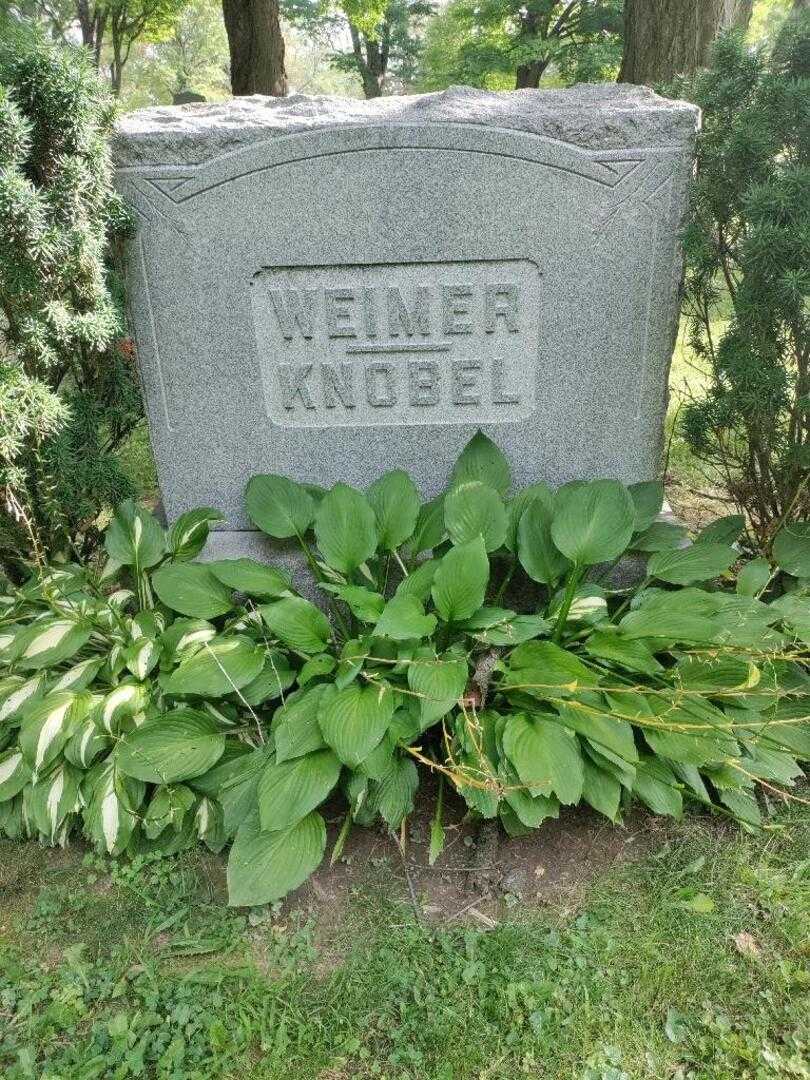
{"x":490,"y":636}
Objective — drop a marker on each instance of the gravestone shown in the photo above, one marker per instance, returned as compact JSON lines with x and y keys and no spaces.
{"x":329,"y":289}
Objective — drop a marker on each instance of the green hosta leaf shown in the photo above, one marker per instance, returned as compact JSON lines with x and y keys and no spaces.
{"x":47,"y":643}
{"x":418,"y":583}
{"x":298,"y":623}
{"x":660,"y":536}
{"x":192,"y":589}
{"x":657,"y":786}
{"x":601,"y":790}
{"x":264,"y":866}
{"x":354,"y":720}
{"x":12,"y":818}
{"x":251,"y":577}
{"x":487,"y":617}
{"x":685,"y":615}
{"x":22,"y":692}
{"x":52,"y":798}
{"x":222,"y":666}
{"x":536,"y":551}
{"x":629,"y":654}
{"x":691,"y":748}
{"x":429,"y":531}
{"x":593,"y":523}
{"x":685,"y":566}
{"x":475,"y":509}
{"x":394,"y":795}
{"x":141,"y":657}
{"x":295,"y":725}
{"x":395,"y":502}
{"x":791,"y":548}
{"x":403,"y":618}
{"x":605,"y":731}
{"x":716,"y":673}
{"x":520,"y":504}
{"x":438,"y":682}
{"x":364,"y":604}
{"x":112,"y":804}
{"x":547,"y":758}
{"x":725,"y":530}
{"x":278,"y":506}
{"x":352,"y":657}
{"x":345,"y":528}
{"x":530,"y":810}
{"x":14,"y":773}
{"x":122,"y":704}
{"x":233,"y":783}
{"x":289,"y":790}
{"x":754,"y":578}
{"x":175,"y":746}
{"x":167,"y":808}
{"x":48,"y":724}
{"x":743,"y":806}
{"x":515,"y":630}
{"x":512,"y":824}
{"x":460,"y":582}
{"x":648,"y":498}
{"x":544,"y":670}
{"x":482,"y":460}
{"x":134,"y":538}
{"x":274,"y":678}
{"x":323,"y":664}
{"x":189,"y":534}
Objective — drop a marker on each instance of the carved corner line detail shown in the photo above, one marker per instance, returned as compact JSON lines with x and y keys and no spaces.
{"x":154,"y":345}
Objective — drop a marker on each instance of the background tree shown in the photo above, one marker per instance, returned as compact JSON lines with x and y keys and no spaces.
{"x":69,"y":395}
{"x":665,"y":38}
{"x":256,"y":47}
{"x":503,"y":43}
{"x":379,"y":41}
{"x":748,"y":275}
{"x":193,"y":57}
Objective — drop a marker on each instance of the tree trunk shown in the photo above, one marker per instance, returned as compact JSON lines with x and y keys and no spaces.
{"x":664,"y":38}
{"x":92,"y":23}
{"x":528,"y":75}
{"x":256,"y":47}
{"x":372,"y":64}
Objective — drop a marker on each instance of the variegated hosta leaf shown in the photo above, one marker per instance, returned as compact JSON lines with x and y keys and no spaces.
{"x":115,"y":664}
{"x":79,"y":676}
{"x":23,"y":693}
{"x":210,"y":824}
{"x":52,"y":798}
{"x":122,"y":707}
{"x":184,"y":638}
{"x":142,"y":656}
{"x":134,"y":537}
{"x":87,"y":742}
{"x":168,"y":807}
{"x":48,"y":642}
{"x":14,"y":773}
{"x":48,"y":724}
{"x":112,"y":804}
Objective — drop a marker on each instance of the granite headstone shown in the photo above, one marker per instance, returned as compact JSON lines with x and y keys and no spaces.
{"x":330,"y":288}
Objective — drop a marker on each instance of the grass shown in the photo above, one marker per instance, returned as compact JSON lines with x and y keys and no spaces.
{"x":690,"y":964}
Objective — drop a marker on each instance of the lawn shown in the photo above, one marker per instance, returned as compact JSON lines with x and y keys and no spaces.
{"x":687,"y":959}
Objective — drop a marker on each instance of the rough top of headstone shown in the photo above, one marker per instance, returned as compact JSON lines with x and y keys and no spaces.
{"x":602,"y":116}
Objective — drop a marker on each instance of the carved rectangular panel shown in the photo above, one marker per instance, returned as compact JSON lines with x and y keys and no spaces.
{"x":397,"y":343}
